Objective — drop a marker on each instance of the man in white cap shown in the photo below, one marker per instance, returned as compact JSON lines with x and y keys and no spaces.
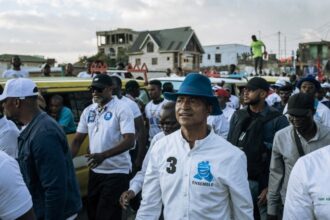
{"x":43,"y":153}
{"x":8,"y":134}
{"x":193,"y":172}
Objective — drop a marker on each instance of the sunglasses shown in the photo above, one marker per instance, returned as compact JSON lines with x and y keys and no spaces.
{"x":96,"y":89}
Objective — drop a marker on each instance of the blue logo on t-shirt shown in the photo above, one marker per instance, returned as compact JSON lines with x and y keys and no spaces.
{"x":107,"y":116}
{"x":91,"y":116}
{"x":204,"y":171}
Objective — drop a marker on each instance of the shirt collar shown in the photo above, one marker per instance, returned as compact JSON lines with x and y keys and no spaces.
{"x":198,"y":143}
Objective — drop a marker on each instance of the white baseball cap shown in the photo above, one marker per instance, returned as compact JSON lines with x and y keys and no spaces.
{"x":19,"y":88}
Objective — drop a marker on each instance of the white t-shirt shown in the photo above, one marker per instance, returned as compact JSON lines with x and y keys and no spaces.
{"x":152,"y":112}
{"x":272,"y":98}
{"x":15,"y":199}
{"x":308,"y":194}
{"x":233,"y":102}
{"x":132,"y":105}
{"x":208,"y":181}
{"x":105,"y":130}
{"x":15,"y":73}
{"x":84,"y":74}
{"x":8,"y":137}
{"x":136,"y":183}
{"x":228,"y":112}
{"x":220,"y":124}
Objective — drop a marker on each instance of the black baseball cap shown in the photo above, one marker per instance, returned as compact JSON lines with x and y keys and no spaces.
{"x":257,"y":83}
{"x":300,"y":104}
{"x":101,"y":81}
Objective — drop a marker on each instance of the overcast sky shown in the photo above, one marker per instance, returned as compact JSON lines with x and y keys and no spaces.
{"x":65,"y":29}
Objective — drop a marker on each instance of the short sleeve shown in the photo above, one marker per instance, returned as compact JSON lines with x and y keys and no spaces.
{"x":82,"y":126}
{"x":126,"y":120}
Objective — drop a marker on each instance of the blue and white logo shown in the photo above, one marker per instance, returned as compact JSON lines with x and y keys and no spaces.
{"x":107,"y":116}
{"x":204,"y":171}
{"x":91,"y":116}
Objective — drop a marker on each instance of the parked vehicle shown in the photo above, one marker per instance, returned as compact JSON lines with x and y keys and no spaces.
{"x":234,"y":84}
{"x":76,"y":96}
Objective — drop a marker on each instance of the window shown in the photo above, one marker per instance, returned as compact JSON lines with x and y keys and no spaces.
{"x":112,"y":52}
{"x":217,"y":48}
{"x":218,"y":58}
{"x":154,"y":61}
{"x":150,"y":47}
{"x":208,"y":56}
{"x":138,"y":61}
{"x":168,"y":58}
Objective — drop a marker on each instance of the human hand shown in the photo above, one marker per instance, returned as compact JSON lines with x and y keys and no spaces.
{"x":125,"y":198}
{"x":262,"y":198}
{"x":93,"y":160}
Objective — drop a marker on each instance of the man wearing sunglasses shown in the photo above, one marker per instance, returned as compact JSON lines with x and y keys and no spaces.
{"x":109,"y":124}
{"x":303,"y":136}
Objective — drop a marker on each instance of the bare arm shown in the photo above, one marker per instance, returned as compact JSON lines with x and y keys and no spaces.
{"x":76,"y":143}
{"x":141,"y":140}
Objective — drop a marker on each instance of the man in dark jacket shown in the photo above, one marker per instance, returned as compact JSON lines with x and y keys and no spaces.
{"x":43,"y":154}
{"x":258,"y":152}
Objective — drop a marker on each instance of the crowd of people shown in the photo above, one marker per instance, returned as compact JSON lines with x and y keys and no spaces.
{"x":195,"y":153}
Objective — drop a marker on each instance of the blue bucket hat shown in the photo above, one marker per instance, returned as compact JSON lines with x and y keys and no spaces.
{"x":310,"y":79}
{"x":197,"y":85}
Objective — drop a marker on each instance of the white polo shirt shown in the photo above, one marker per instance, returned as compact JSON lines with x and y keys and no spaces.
{"x":152,"y":112}
{"x":136,"y":183}
{"x":15,"y":73}
{"x":308,"y":194}
{"x":8,"y":137}
{"x":15,"y":199}
{"x":206,"y":182}
{"x":132,"y":105}
{"x":220,"y":124}
{"x":105,"y":130}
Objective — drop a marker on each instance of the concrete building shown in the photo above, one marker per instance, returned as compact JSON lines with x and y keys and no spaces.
{"x":115,"y":43}
{"x":223,"y":54}
{"x":168,"y":48}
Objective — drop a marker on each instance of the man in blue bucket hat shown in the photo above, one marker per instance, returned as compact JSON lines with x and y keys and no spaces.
{"x":193,"y":172}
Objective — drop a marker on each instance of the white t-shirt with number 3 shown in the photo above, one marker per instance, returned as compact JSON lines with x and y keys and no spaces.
{"x":208,"y":181}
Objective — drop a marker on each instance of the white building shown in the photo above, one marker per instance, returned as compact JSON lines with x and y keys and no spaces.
{"x":223,"y":54}
{"x":168,"y":48}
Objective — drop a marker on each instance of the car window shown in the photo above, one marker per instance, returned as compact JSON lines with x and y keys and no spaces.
{"x":79,"y":101}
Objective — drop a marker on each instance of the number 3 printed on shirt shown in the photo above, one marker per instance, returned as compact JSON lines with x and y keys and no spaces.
{"x":171,"y":168}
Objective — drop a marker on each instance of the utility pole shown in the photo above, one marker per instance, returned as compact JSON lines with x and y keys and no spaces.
{"x":279,"y":45}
